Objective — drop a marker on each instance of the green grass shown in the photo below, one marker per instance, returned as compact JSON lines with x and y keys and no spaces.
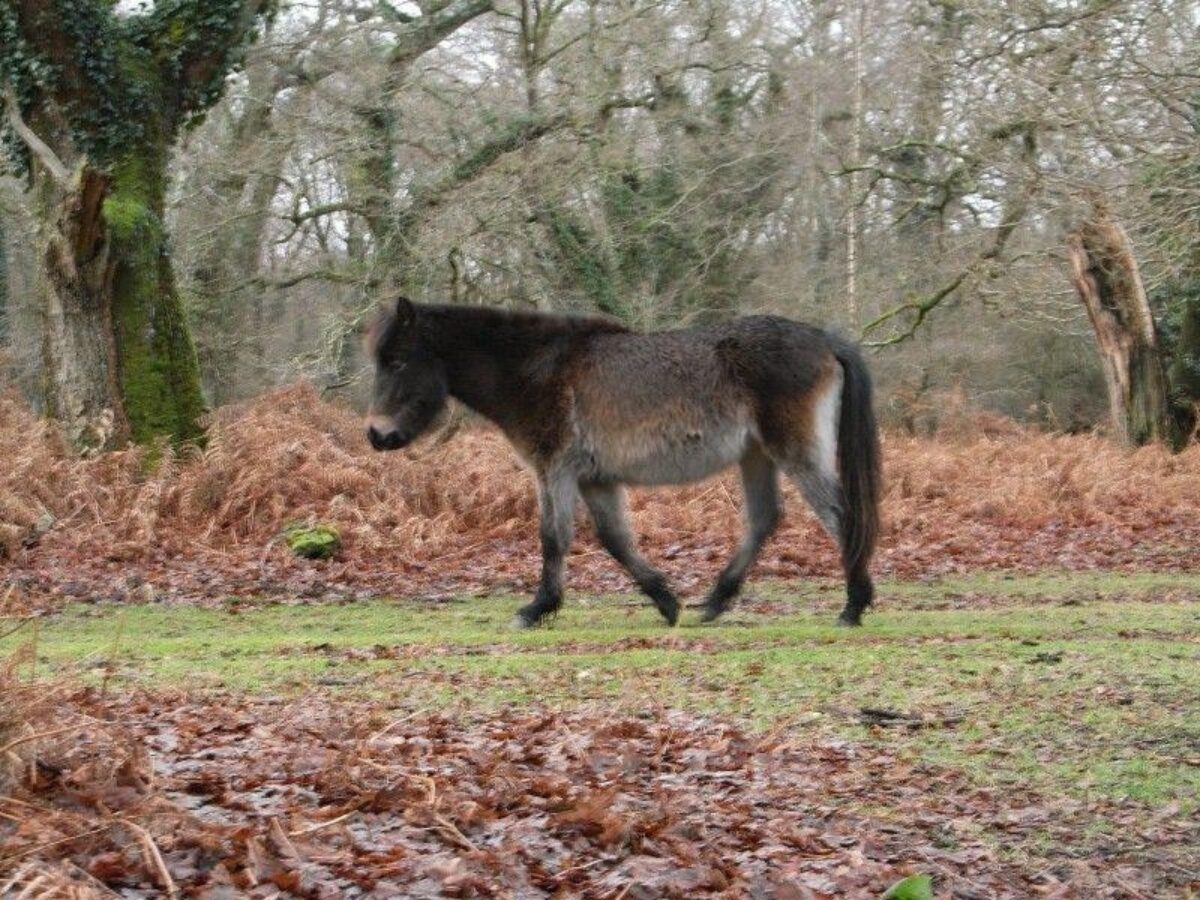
{"x":1064,"y":683}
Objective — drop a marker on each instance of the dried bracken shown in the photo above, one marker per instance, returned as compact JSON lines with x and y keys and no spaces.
{"x":68,"y":776}
{"x":462,"y":515}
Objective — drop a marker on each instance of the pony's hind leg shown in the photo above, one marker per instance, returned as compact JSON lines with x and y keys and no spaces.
{"x":556,"y":497}
{"x":824,"y":494}
{"x":813,"y":466}
{"x":606,"y":503}
{"x":760,"y":483}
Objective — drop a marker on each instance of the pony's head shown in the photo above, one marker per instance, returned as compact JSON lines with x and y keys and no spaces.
{"x":410,"y":390}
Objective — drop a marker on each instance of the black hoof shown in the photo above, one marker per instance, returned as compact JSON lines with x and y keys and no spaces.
{"x":532,"y":616}
{"x":846,"y":620}
{"x":711,"y":613}
{"x":669,"y":607}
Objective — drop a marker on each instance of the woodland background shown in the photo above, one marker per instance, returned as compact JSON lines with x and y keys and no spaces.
{"x":907,"y":170}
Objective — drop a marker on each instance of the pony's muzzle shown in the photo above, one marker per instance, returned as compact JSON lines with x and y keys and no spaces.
{"x":384,"y":435}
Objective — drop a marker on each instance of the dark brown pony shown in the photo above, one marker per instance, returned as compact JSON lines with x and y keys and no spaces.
{"x":593,"y":406}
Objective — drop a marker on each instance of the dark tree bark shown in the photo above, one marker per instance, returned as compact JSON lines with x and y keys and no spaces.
{"x":1184,"y":372}
{"x":1106,"y":278}
{"x":3,"y":283}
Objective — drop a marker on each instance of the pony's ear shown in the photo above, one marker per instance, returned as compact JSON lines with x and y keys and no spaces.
{"x":406,"y":313}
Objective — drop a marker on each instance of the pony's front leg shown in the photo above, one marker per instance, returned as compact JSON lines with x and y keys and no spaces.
{"x":557,"y":493}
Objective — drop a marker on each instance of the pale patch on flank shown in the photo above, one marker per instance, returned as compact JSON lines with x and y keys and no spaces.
{"x":826,"y":414}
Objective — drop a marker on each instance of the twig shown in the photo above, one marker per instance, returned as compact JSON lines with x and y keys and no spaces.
{"x":386,"y":728}
{"x":66,"y":840}
{"x":4,"y":798}
{"x":283,"y":840}
{"x":23,"y":621}
{"x":100,"y":885}
{"x":920,"y":308}
{"x":317,"y":827}
{"x":561,"y":876}
{"x":1131,"y":889}
{"x":445,"y":826}
{"x":453,"y":831}
{"x":154,"y":856}
{"x":17,"y":742}
{"x":37,"y":881}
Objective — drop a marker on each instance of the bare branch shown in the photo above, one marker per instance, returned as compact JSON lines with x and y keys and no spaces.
{"x":420,"y":35}
{"x":919,"y":309}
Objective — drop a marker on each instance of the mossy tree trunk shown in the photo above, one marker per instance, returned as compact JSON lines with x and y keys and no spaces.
{"x":119,"y":361}
{"x":158,"y":375}
{"x":97,"y":101}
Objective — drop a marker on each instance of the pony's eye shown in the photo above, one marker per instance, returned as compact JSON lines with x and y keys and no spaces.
{"x":397,"y":366}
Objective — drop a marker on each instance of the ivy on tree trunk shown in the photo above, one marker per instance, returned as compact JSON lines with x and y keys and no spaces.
{"x":94,"y":102}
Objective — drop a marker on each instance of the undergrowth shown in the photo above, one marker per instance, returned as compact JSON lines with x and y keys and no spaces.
{"x":985,"y":498}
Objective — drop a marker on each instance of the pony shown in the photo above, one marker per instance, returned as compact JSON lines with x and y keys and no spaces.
{"x":592,"y":406}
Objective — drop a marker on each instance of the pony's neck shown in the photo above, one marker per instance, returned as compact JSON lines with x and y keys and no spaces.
{"x":482,"y":351}
{"x":506,"y":365}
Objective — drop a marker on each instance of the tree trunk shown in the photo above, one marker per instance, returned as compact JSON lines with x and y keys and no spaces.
{"x":103,"y":93}
{"x":120,"y":364}
{"x":1184,"y":372}
{"x":156,"y":360}
{"x":1106,"y":278}
{"x":3,"y":283}
{"x":81,"y":387}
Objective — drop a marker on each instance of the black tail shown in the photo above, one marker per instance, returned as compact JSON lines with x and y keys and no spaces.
{"x":859,"y":470}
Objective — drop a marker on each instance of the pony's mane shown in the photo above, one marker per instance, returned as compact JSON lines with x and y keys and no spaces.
{"x":545,"y":324}
{"x":490,"y":325}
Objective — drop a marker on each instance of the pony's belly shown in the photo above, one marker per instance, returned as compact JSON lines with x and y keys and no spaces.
{"x":677,"y":457}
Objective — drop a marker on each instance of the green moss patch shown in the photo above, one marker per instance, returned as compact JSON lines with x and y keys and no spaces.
{"x":313,"y":541}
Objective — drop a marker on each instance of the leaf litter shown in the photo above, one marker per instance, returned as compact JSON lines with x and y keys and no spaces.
{"x":167,"y":793}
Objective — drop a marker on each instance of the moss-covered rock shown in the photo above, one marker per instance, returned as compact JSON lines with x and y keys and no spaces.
{"x":313,"y":541}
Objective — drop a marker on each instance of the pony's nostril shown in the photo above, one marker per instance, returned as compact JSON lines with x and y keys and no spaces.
{"x":383,"y":441}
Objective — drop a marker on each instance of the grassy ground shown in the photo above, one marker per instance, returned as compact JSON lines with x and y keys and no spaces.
{"x":1083,"y":685}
